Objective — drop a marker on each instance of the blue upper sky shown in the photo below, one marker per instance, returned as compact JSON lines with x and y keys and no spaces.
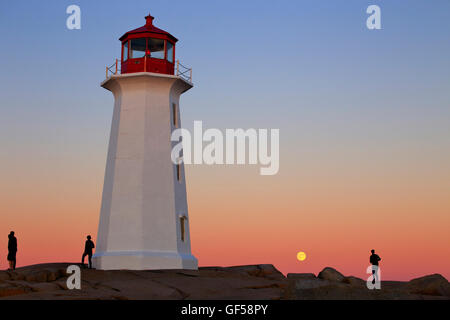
{"x":278,"y":64}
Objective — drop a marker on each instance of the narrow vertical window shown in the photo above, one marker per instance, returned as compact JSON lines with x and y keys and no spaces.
{"x":175,"y":115}
{"x":178,"y":172}
{"x":183,"y":232}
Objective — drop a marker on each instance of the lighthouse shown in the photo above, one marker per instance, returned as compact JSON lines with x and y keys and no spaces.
{"x":144,"y":221}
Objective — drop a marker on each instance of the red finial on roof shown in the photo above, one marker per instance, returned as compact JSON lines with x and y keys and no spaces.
{"x":149,"y":20}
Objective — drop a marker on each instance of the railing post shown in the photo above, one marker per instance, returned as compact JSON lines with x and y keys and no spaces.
{"x":116,"y":65}
{"x":145,"y":63}
{"x":106,"y":72}
{"x":178,"y":67}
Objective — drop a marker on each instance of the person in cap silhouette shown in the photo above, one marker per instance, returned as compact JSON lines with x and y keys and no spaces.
{"x":374,"y":259}
{"x":88,"y":246}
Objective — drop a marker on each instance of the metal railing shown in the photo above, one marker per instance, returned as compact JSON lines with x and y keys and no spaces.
{"x":113,"y":69}
{"x":181,"y":71}
{"x":184,"y":72}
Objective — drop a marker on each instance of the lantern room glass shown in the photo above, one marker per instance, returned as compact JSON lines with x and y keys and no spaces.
{"x":156,"y":48}
{"x":125,"y":51}
{"x":169,"y":51}
{"x":137,"y":48}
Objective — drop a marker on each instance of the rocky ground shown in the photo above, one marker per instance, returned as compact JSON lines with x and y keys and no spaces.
{"x":48,"y":281}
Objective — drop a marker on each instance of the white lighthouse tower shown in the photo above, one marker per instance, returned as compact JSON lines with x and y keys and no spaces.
{"x":144,"y":222}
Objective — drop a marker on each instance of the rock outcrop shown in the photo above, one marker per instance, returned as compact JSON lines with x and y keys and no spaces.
{"x":435,"y":285}
{"x":331,"y":275}
{"x":265,"y":282}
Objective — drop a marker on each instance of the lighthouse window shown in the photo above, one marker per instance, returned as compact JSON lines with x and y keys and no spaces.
{"x":178,"y":172}
{"x":156,"y":48}
{"x":137,"y":48}
{"x":175,"y":114}
{"x":169,"y":52}
{"x":182,"y":219}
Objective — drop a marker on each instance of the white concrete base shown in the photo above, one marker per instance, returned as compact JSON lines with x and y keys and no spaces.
{"x":148,"y":260}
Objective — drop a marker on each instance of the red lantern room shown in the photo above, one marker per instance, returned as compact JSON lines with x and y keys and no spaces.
{"x":148,"y":49}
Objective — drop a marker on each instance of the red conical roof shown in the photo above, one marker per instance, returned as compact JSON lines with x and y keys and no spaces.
{"x":148,"y":29}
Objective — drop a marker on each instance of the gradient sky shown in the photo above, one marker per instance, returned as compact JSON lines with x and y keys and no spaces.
{"x":364,"y":119}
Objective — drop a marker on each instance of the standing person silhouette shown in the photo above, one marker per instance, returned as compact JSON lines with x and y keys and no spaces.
{"x":89,"y":245}
{"x":374,"y":259}
{"x":12,"y":250}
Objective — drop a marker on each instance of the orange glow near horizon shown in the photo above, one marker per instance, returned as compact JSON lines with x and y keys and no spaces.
{"x":336,"y":217}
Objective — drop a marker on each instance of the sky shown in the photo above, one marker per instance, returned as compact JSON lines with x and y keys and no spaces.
{"x":364,"y":120}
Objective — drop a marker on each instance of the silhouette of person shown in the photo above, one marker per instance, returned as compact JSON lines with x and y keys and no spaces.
{"x":88,"y":246}
{"x":374,"y":259}
{"x":12,"y":250}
